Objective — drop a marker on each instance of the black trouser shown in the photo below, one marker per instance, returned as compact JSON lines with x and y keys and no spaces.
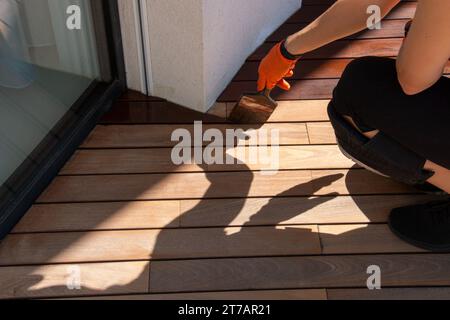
{"x":413,"y":129}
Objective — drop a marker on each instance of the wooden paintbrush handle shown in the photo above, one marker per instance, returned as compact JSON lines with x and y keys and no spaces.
{"x":266,"y":92}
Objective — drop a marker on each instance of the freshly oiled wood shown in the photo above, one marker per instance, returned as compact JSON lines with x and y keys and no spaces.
{"x":216,"y":185}
{"x":94,"y":246}
{"x":298,"y":272}
{"x":213,"y":213}
{"x":361,"y":238}
{"x":159,"y":112}
{"x":390,"y":294}
{"x":51,"y":280}
{"x":404,"y":10}
{"x":321,"y":133}
{"x":300,"y":90}
{"x":130,"y":136}
{"x":120,"y":161}
{"x":389,"y":29}
{"x":306,"y":294}
{"x":100,"y":216}
{"x":344,"y":49}
{"x":306,"y":69}
{"x":294,"y":210}
{"x":134,"y":96}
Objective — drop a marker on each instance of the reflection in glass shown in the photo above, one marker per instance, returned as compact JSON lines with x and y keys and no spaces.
{"x":44,"y":69}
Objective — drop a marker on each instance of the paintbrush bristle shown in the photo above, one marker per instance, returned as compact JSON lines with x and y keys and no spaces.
{"x":253,"y":108}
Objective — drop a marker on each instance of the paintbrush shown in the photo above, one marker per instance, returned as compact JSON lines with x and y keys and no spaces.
{"x":253,"y":108}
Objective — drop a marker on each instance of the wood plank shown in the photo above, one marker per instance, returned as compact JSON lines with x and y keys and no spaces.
{"x":314,"y":210}
{"x":306,"y":69}
{"x":213,"y":213}
{"x":142,"y":136}
{"x":309,"y":89}
{"x":158,"y":112}
{"x":95,"y":246}
{"x":321,"y":133}
{"x":100,"y":216}
{"x":362,"y":238}
{"x":51,"y":280}
{"x":134,"y":96}
{"x":296,"y":111}
{"x":216,"y":185}
{"x":305,"y":294}
{"x":131,"y":161}
{"x":287,"y":111}
{"x":344,"y":49}
{"x":289,"y":158}
{"x":404,"y":10}
{"x":298,"y":272}
{"x":389,"y":29}
{"x":390,"y":294}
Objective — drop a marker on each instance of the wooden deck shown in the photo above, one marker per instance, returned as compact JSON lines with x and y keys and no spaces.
{"x":133,"y":225}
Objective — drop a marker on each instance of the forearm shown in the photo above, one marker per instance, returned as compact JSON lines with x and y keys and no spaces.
{"x":344,"y":18}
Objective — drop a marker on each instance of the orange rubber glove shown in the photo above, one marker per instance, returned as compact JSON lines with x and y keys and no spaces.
{"x":274,"y":68}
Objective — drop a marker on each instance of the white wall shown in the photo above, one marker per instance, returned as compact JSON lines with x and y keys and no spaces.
{"x":233,"y":29}
{"x":197,"y":46}
{"x":176,"y":50}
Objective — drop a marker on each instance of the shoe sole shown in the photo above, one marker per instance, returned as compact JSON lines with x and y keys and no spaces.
{"x":365,"y":166}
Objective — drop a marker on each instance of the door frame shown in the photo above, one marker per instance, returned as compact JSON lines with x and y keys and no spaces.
{"x":23,"y":188}
{"x":135,"y":34}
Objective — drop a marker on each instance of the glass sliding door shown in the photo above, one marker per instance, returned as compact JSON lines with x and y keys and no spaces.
{"x":44,"y":68}
{"x":55,"y":56}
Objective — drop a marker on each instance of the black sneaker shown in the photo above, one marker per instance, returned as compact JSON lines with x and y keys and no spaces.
{"x":425,"y":226}
{"x":428,"y":188}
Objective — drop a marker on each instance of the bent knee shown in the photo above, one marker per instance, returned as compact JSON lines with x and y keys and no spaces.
{"x":364,"y":75}
{"x":363,"y":82}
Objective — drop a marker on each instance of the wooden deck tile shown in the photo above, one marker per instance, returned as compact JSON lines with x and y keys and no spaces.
{"x":138,"y":227}
{"x":144,"y":136}
{"x":298,"y":272}
{"x":312,"y":294}
{"x":213,"y":213}
{"x":129,"y":161}
{"x":217,"y":185}
{"x":41,"y":248}
{"x":308,"y":13}
{"x":390,"y":294}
